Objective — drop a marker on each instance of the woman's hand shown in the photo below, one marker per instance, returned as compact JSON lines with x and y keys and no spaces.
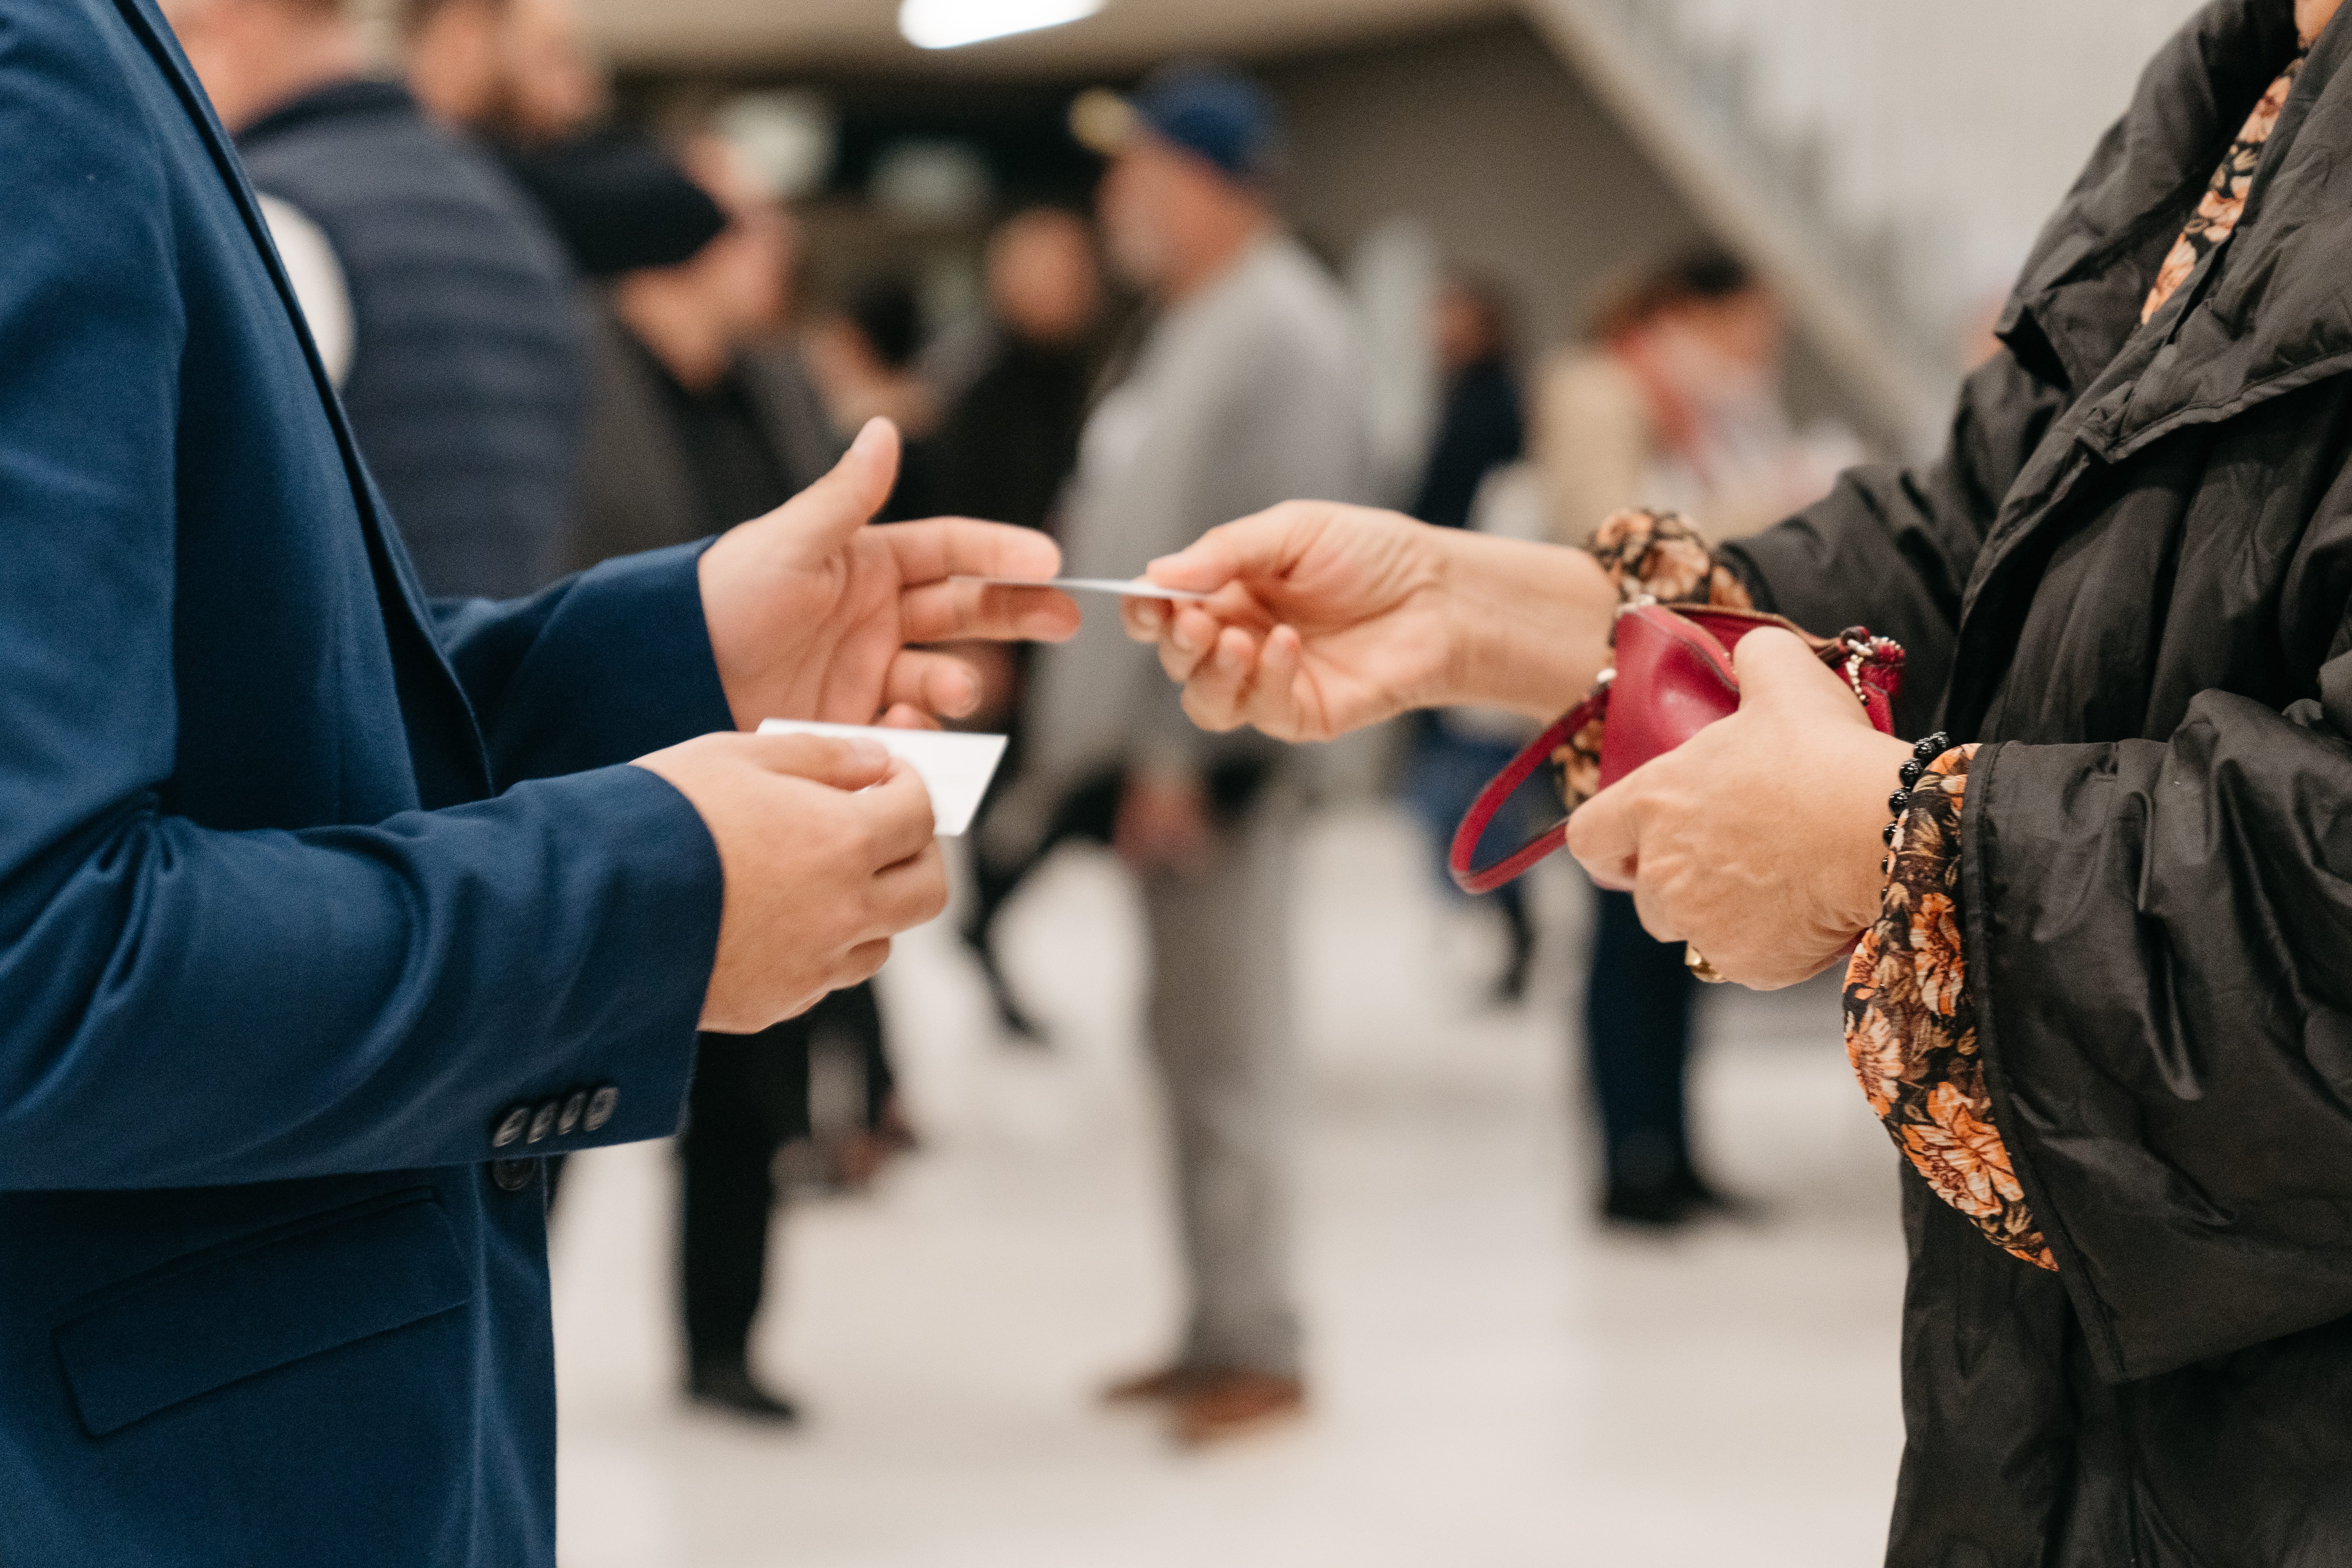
{"x":1328,"y":618}
{"x":1759,"y":841}
{"x":811,"y":611}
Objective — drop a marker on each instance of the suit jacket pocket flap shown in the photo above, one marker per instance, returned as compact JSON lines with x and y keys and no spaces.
{"x":241,"y":1310}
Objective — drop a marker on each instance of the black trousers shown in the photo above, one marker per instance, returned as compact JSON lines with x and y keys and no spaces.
{"x":1637,"y":1012}
{"x":751,"y":1097}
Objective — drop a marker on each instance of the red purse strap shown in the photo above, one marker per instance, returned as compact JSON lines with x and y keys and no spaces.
{"x":1871,"y":666}
{"x":1460,"y":859}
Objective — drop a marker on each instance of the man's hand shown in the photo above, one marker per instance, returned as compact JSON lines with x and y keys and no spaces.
{"x":819,"y":877}
{"x":1758,"y":840}
{"x":1328,"y":618}
{"x":811,"y":611}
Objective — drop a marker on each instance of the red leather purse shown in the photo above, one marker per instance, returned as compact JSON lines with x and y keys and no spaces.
{"x":1673,"y":678}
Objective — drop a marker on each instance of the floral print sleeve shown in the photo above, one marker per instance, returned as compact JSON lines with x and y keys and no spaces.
{"x":1655,"y":555}
{"x":1910,"y":1022}
{"x":1660,"y":556}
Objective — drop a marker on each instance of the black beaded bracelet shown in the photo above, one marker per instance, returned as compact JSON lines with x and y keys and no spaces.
{"x":1922,"y":753}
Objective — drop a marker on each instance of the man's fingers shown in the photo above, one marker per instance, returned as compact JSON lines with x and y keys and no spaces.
{"x":931,"y":683}
{"x":905,"y":716}
{"x":1601,"y":835}
{"x":944,"y":609}
{"x":831,"y":510}
{"x":940,"y":547}
{"x":850,"y":764}
{"x":1776,"y":668}
{"x":860,"y":963}
{"x":911,"y":892}
{"x":898,"y":813}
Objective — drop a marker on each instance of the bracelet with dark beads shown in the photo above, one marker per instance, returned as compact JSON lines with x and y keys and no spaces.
{"x":1922,"y":753}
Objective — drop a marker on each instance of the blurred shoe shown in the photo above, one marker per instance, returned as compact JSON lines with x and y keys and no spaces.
{"x":1675,"y":1200}
{"x":1147,"y":1387}
{"x":1646,"y":1205}
{"x":1219,"y":1407}
{"x":728,"y":1387}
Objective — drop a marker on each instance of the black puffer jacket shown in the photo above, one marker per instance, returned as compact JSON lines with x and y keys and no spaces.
{"x":2130,"y":577}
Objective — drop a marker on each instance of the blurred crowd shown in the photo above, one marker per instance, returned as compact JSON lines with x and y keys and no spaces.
{"x":564,"y":336}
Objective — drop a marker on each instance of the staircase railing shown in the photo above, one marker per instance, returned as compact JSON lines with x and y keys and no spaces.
{"x":1885,"y":162}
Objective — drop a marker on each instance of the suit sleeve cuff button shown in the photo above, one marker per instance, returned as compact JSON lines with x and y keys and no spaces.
{"x":601,"y":1106}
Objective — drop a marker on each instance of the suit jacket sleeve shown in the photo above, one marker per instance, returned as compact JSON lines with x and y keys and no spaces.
{"x":186,"y":1004}
{"x":1891,"y":547}
{"x":601,"y":668}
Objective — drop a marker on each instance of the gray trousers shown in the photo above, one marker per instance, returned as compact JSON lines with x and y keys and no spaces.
{"x":1220,"y":1038}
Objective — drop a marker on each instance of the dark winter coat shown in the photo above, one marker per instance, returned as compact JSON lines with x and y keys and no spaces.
{"x":2129,"y":576}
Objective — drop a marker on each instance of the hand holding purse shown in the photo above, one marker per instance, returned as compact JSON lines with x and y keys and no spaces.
{"x":1671,"y":678}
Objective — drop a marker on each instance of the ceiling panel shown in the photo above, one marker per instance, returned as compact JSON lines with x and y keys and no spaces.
{"x":1124,"y":36}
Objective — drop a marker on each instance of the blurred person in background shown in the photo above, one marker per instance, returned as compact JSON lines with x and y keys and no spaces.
{"x":517,"y":72}
{"x":1016,"y":390}
{"x":865,"y":355}
{"x":701,"y":410}
{"x":1015,"y":387}
{"x":1676,"y":405}
{"x":443,"y":307}
{"x":1241,"y":391}
{"x":1480,"y":429}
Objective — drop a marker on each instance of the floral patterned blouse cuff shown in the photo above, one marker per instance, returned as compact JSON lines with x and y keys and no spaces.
{"x":1658,"y":555}
{"x":1663,"y":556}
{"x":1910,"y":1022}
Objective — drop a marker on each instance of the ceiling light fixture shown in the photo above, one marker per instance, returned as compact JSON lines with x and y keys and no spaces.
{"x":952,"y":24}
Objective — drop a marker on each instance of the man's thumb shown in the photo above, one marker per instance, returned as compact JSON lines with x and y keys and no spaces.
{"x":1776,"y":668}
{"x":830,"y":510}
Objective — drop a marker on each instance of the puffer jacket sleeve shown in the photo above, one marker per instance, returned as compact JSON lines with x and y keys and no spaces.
{"x":2157,"y":944}
{"x":1891,"y":547}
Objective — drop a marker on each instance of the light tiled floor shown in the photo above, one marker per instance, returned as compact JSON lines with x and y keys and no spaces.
{"x":1497,"y":1381}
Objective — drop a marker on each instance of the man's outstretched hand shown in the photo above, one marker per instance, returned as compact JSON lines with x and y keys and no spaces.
{"x":811,"y":611}
{"x":1326,"y":617}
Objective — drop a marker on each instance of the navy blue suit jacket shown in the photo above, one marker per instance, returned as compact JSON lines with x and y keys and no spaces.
{"x":307,"y":889}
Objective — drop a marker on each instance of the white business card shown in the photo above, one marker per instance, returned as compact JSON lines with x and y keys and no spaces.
{"x":1124,"y":587}
{"x":953,"y":765}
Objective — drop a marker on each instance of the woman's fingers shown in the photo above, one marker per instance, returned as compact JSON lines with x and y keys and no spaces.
{"x":1189,"y":636}
{"x":1281,"y":692}
{"x":1219,"y":683}
{"x":1602,"y":836}
{"x":1145,"y":619}
{"x":1777,"y":670}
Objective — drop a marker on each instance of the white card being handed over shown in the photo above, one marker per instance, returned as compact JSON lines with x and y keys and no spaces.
{"x":955,"y":767}
{"x":1124,"y":587}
